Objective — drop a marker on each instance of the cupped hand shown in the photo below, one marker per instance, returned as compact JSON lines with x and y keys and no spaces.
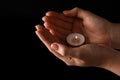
{"x":85,"y":55}
{"x":95,"y":28}
{"x":96,"y":31}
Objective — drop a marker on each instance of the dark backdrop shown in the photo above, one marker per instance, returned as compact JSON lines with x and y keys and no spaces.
{"x":27,"y":57}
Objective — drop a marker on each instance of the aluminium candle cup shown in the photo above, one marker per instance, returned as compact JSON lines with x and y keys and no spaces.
{"x":75,"y":39}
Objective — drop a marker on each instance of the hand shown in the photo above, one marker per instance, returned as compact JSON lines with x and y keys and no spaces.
{"x":85,"y":55}
{"x":89,"y":55}
{"x":47,"y":38}
{"x":96,"y":29}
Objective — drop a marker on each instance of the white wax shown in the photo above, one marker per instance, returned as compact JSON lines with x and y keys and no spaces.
{"x":75,"y":39}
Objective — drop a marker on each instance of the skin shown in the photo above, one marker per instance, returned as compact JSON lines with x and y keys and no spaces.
{"x":96,"y":29}
{"x":87,"y":23}
{"x":97,"y":50}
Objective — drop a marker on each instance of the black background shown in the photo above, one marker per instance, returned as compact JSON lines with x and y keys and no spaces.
{"x":25,"y":56}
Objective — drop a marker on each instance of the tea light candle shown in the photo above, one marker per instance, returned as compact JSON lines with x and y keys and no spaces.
{"x":75,"y":39}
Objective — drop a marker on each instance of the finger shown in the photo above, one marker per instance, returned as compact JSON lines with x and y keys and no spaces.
{"x":48,"y":39}
{"x":44,"y":35}
{"x":38,"y":27}
{"x":74,"y":52}
{"x":60,"y":16}
{"x":61,"y":49}
{"x":77,"y":12}
{"x":73,"y":56}
{"x":57,"y":29}
{"x":58,"y":22}
{"x":57,"y":35}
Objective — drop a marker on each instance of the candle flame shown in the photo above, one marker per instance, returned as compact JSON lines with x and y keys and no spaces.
{"x":76,"y":37}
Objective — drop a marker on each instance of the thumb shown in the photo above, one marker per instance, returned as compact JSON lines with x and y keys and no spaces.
{"x":60,"y":48}
{"x":77,"y":12}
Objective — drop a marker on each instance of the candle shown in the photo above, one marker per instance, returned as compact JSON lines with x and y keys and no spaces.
{"x":75,"y":39}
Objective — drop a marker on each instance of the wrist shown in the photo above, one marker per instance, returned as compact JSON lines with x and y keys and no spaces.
{"x":113,"y":63}
{"x":115,"y":35}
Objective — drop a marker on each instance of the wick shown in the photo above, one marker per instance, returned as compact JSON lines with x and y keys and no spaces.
{"x":76,"y":40}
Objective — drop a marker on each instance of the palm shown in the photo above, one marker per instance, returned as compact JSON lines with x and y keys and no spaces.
{"x":94,"y":30}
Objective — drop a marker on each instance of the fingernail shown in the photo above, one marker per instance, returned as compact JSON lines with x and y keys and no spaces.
{"x":65,"y":12}
{"x":38,"y":27}
{"x":54,"y":46}
{"x":47,"y":13}
{"x":44,"y":18}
